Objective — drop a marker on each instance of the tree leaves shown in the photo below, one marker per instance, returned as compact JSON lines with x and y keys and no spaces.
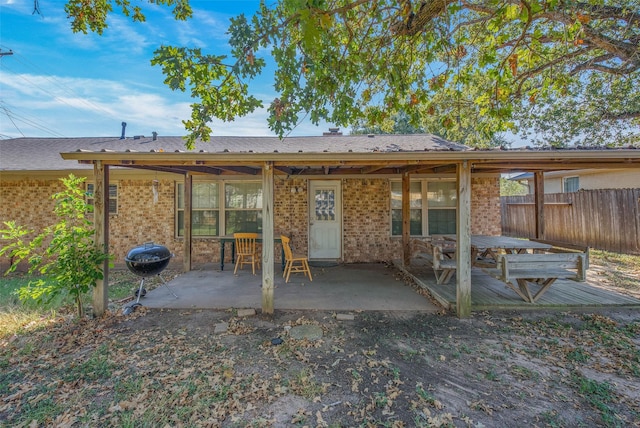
{"x":63,"y":253}
{"x":92,"y":15}
{"x":338,"y":60}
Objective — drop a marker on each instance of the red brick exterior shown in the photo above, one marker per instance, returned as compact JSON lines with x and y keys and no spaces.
{"x":366,"y":221}
{"x":485,"y":206}
{"x":365,"y":203}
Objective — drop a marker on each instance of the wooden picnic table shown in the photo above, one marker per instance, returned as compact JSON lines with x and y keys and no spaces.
{"x":486,"y":249}
{"x":521,"y":262}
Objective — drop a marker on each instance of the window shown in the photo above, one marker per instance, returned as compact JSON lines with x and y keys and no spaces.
{"x":205,"y":213}
{"x":113,"y":197}
{"x":571,"y":184}
{"x":432,"y":207}
{"x":441,"y":199}
{"x":243,"y":207}
{"x":242,"y":211}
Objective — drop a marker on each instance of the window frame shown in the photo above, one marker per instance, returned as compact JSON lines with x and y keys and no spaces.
{"x":221,"y":207}
{"x":89,"y":199}
{"x":425,"y":207}
{"x":567,"y":179}
{"x":179,"y":210}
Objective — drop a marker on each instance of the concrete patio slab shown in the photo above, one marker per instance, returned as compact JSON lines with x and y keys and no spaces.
{"x":353,"y":287}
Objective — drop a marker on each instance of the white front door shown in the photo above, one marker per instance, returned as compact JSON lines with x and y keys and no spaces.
{"x":325,"y":219}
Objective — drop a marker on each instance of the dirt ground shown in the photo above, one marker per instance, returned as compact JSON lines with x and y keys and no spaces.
{"x":207,"y":368}
{"x":215,"y":368}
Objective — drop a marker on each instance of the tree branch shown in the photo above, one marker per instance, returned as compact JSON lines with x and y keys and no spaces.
{"x":608,"y":12}
{"x":416,"y":22}
{"x":621,"y":116}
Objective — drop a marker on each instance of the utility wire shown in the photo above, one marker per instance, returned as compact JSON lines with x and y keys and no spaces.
{"x":36,"y":8}
{"x":60,"y":84}
{"x":55,"y":84}
{"x":13,"y":117}
{"x":53,"y":95}
{"x":14,"y":124}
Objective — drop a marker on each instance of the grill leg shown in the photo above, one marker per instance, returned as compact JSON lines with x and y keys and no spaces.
{"x":167,"y":285}
{"x":140,"y":290}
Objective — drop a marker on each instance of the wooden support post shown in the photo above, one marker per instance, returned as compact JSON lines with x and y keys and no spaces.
{"x":267,"y":238}
{"x":188,"y":187}
{"x":539,"y":203}
{"x":463,"y":232}
{"x":406,"y":219}
{"x":101,"y":225}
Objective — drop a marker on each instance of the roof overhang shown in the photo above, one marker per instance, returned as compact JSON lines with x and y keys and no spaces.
{"x":348,"y":163}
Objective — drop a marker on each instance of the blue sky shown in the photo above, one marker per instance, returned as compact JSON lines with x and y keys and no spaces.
{"x":61,"y":84}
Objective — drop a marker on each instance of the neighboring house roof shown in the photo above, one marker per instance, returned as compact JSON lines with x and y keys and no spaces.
{"x":44,"y":153}
{"x":523,"y":176}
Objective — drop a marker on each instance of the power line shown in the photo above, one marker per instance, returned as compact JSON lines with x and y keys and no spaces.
{"x":90,"y":105}
{"x":13,"y":117}
{"x":60,"y":84}
{"x":83,"y":105}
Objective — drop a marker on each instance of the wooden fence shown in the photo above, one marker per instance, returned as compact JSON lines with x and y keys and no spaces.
{"x":603,"y":219}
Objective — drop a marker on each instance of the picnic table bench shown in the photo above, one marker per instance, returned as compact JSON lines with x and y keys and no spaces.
{"x":441,"y":255}
{"x":565,"y":247}
{"x":541,"y":269}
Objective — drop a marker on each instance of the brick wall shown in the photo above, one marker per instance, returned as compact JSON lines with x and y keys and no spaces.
{"x":28,"y":202}
{"x":291,"y":205}
{"x":366,"y":222}
{"x":140,"y":219}
{"x":485,"y":206}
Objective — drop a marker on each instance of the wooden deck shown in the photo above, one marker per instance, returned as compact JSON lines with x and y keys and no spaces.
{"x":488,"y":293}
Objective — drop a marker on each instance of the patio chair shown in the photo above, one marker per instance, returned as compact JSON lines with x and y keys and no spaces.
{"x":246,"y":251}
{"x":294,"y":263}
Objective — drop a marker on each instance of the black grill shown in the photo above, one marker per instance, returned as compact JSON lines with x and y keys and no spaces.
{"x":148,"y":259}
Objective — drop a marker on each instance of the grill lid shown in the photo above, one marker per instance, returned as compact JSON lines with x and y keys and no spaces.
{"x":148,"y":253}
{"x":148,"y":259}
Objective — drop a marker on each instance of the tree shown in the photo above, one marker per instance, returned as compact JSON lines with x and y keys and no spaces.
{"x":512,"y":188}
{"x":64,"y":254}
{"x":398,"y":124}
{"x":468,"y":64}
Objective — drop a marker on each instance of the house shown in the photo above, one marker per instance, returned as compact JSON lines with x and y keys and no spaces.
{"x":585,"y":179}
{"x":354,"y":214}
{"x":346,"y":198}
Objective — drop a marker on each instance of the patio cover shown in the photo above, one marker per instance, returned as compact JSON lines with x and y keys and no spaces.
{"x":360,"y":155}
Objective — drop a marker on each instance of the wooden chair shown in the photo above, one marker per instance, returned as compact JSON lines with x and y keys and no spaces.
{"x":294,"y":263}
{"x":246,"y":251}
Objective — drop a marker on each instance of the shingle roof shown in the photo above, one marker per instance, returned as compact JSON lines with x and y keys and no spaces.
{"x":44,"y":153}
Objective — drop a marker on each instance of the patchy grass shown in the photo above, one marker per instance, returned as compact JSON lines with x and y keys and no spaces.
{"x":18,"y":316}
{"x":621,"y":271}
{"x":168,"y":368}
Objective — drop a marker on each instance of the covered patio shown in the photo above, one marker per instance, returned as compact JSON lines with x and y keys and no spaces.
{"x":346,"y":287}
{"x":354,"y":156}
{"x":368,"y":287}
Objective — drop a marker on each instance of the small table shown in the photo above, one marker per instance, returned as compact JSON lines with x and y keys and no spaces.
{"x":230,"y":238}
{"x":484,"y":248}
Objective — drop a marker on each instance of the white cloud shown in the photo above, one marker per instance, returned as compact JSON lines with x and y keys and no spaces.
{"x":63,"y":84}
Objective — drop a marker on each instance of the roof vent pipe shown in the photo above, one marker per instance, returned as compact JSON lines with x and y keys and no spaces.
{"x":332,"y":131}
{"x":155,"y":135}
{"x":124,"y":125}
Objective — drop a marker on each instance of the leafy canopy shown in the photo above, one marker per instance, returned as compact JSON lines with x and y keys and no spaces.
{"x":469,"y":69}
